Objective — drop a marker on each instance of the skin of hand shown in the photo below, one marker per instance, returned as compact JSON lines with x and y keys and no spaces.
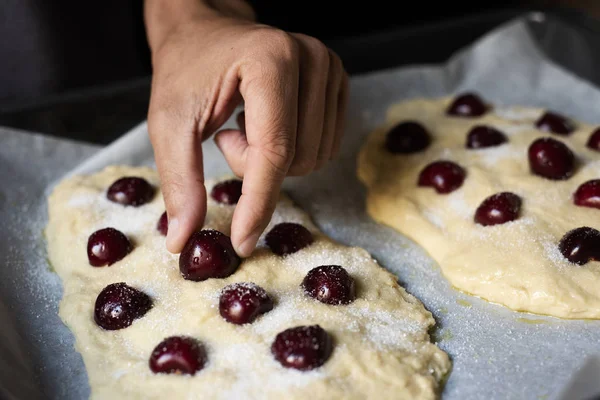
{"x":208,"y":59}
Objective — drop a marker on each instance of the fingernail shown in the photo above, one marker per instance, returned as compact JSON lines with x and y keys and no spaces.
{"x":172,"y":230}
{"x":247,"y":246}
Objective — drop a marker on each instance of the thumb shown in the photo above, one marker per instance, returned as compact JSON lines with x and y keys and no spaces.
{"x":178,"y":155}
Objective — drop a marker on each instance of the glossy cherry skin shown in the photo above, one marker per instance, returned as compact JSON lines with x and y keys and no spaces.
{"x":581,"y":245}
{"x":594,"y":140}
{"x":287,"y":238}
{"x":467,"y":105}
{"x":482,"y":136}
{"x":407,"y":137}
{"x":554,"y":123}
{"x":303,"y":347}
{"x":498,"y":209}
{"x":119,"y":304}
{"x":588,"y":194}
{"x":443,"y":176}
{"x":551,"y":159}
{"x":208,"y":254}
{"x":130,"y":191}
{"x":163,"y":224}
{"x":227,"y":192}
{"x":241,"y":303}
{"x":178,"y":355}
{"x":330,"y":284}
{"x":107,"y":246}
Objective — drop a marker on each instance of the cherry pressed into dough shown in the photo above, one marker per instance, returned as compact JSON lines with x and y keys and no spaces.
{"x":581,"y":245}
{"x":330,"y":284}
{"x":130,"y":191}
{"x":208,"y":254}
{"x":482,"y":136}
{"x":107,"y":246}
{"x":303,"y":347}
{"x":241,"y":303}
{"x":551,"y":159}
{"x":227,"y":192}
{"x":178,"y":355}
{"x":554,"y":123}
{"x":594,"y":140}
{"x":467,"y":105}
{"x":407,"y":137}
{"x":119,"y":304}
{"x":163,"y":224}
{"x":588,"y":194}
{"x":498,"y":208}
{"x":444,"y":176}
{"x":287,"y":238}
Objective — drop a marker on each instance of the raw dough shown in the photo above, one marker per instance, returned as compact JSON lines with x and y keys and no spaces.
{"x":382,"y":348}
{"x":516,"y":264}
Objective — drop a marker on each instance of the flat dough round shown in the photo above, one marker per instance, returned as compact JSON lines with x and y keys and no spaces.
{"x":516,"y":264}
{"x":381,"y":341}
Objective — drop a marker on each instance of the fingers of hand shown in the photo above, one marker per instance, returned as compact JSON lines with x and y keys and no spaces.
{"x":178,"y":155}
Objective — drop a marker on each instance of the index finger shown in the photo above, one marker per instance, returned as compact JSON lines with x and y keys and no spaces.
{"x":271,"y":111}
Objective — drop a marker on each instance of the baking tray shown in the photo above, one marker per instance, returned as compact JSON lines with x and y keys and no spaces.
{"x":495,"y":334}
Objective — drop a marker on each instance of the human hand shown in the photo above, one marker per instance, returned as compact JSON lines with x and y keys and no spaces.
{"x":294,"y":91}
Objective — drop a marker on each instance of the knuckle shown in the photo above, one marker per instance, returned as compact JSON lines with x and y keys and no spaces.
{"x":278,"y":44}
{"x":279,"y":150}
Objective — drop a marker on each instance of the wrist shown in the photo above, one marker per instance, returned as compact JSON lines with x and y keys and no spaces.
{"x":161,"y":17}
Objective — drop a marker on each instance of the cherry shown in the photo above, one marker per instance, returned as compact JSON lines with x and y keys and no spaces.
{"x":119,"y":304}
{"x":467,"y":105}
{"x":588,"y":194}
{"x":241,"y":303}
{"x":443,"y":176}
{"x":130,"y":191}
{"x":407,"y":137}
{"x":498,"y":209}
{"x":554,"y":123}
{"x":288,"y":237}
{"x":227,"y":192}
{"x":163,"y":224}
{"x":594,"y":140}
{"x":485,"y":136}
{"x":581,"y":245}
{"x":302,"y":347}
{"x":330,"y":284}
{"x":551,"y":159}
{"x":107,"y":246}
{"x":179,"y":355}
{"x":208,"y":254}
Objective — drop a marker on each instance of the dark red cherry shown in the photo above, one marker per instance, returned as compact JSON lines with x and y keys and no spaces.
{"x":288,"y":237}
{"x":107,"y":246}
{"x":588,"y":194}
{"x":119,"y":304}
{"x":581,"y":245}
{"x":407,"y":137}
{"x":485,"y":136}
{"x":302,"y":347}
{"x":227,"y":192}
{"x":130,"y":191}
{"x":467,"y":105}
{"x":594,"y":140}
{"x":208,"y":254}
{"x":498,"y":209}
{"x":241,"y":303}
{"x":178,"y":355}
{"x":163,"y":224}
{"x":554,"y":123}
{"x":443,"y":176}
{"x":551,"y":159}
{"x":330,"y":284}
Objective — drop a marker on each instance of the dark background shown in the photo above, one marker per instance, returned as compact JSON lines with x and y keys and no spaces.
{"x":81,"y":69}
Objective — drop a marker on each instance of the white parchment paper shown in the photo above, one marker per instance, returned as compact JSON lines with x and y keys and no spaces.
{"x":497,"y":353}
